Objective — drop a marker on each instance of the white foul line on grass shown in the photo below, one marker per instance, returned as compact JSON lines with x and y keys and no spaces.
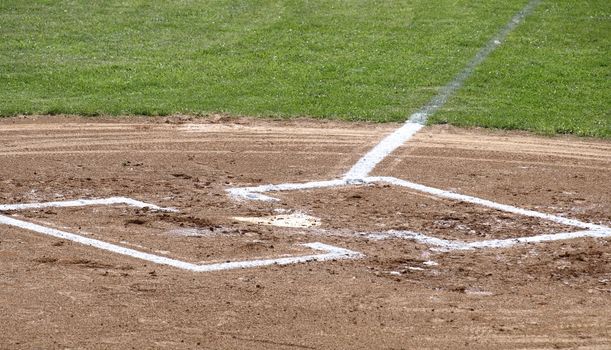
{"x":329,"y":252}
{"x":416,"y":121}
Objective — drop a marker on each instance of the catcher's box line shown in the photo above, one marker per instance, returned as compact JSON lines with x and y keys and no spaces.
{"x":445,"y":245}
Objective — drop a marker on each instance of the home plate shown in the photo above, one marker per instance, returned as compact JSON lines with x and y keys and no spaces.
{"x":283,"y":220}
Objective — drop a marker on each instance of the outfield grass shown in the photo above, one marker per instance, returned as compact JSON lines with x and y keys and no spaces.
{"x":356,"y":60}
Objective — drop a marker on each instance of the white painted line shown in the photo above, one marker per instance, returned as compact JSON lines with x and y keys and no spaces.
{"x":390,"y":143}
{"x":254,"y":193}
{"x":415,"y":122}
{"x":84,"y":202}
{"x":506,"y":243}
{"x":418,"y":237}
{"x":486,"y":203}
{"x":449,"y":245}
{"x":95,"y":243}
{"x":449,"y":89}
{"x":330,"y":252}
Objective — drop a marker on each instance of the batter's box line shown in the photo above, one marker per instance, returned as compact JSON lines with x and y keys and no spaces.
{"x":329,"y":252}
{"x":588,"y":229}
{"x":445,"y":245}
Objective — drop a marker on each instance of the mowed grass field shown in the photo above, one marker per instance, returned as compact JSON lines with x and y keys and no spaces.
{"x":354,"y":60}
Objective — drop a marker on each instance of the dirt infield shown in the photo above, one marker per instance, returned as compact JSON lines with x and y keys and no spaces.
{"x":400,"y":295}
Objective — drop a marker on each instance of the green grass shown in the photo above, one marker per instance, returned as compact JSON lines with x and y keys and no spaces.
{"x":352,"y":59}
{"x":553,"y":75}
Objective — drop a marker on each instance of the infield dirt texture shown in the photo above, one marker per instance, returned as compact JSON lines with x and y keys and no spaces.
{"x":399,"y":294}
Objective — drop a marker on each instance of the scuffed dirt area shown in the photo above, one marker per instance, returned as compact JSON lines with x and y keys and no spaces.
{"x":402,"y":295}
{"x":384,"y":207}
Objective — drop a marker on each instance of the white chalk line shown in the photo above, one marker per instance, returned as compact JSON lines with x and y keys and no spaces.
{"x":445,"y":245}
{"x":390,"y":143}
{"x":329,"y":252}
{"x":416,"y":121}
{"x":254,"y":193}
{"x":84,"y":202}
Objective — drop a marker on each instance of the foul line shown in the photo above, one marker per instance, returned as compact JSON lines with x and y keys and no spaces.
{"x":417,"y":120}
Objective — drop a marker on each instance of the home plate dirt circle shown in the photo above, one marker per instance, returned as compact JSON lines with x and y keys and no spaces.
{"x":395,"y":288}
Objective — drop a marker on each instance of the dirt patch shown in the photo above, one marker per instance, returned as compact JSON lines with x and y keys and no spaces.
{"x":557,"y":175}
{"x":379,"y":208}
{"x":60,"y":294}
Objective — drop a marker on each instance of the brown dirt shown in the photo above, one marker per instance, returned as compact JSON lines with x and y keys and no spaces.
{"x":385,"y":207}
{"x":58,"y":294}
